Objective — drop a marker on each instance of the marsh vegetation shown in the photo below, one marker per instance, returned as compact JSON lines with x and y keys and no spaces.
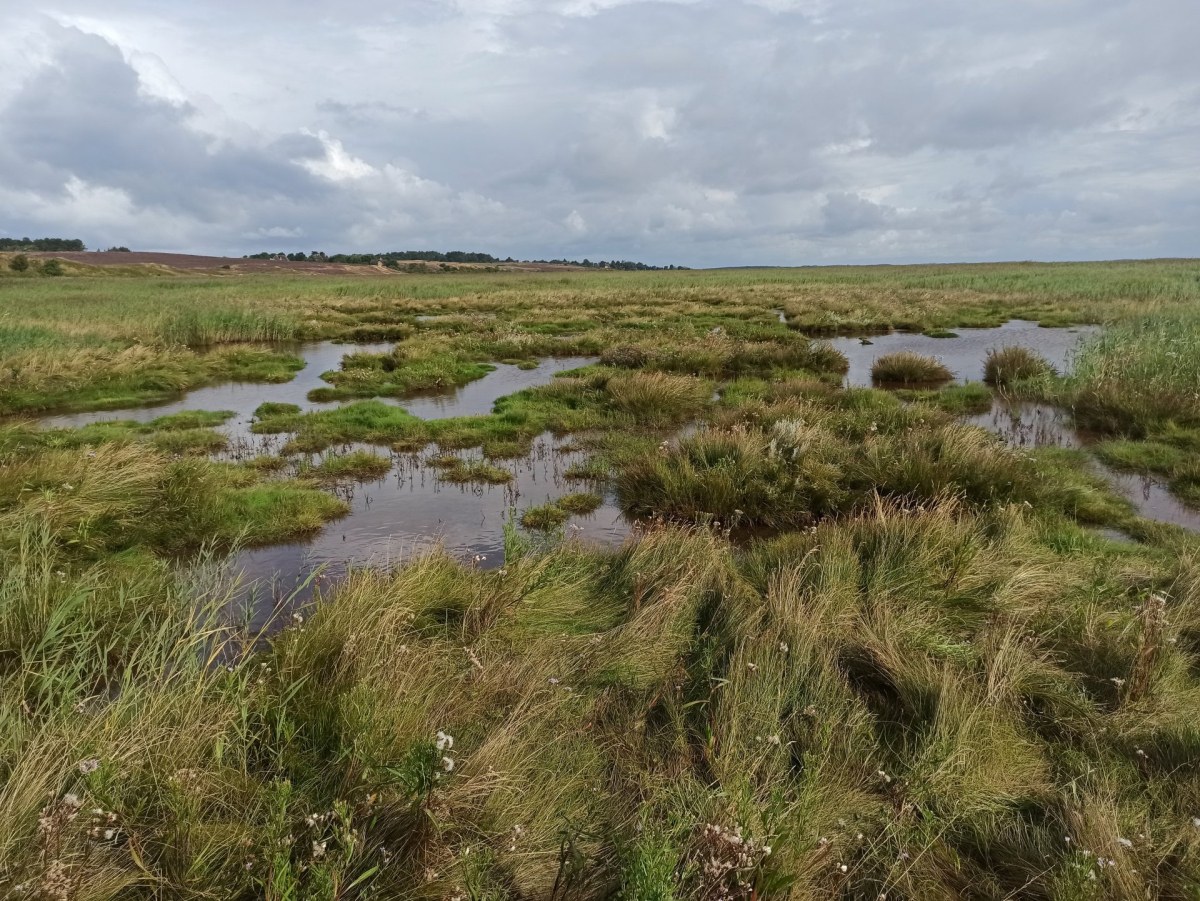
{"x":851,"y":644}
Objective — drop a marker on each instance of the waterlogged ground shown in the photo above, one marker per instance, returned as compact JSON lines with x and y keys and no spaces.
{"x":963,"y":355}
{"x":243,"y":398}
{"x":1029,"y":425}
{"x":411,"y":507}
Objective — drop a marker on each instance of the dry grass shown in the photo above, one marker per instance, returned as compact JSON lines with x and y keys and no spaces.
{"x":907,"y":368}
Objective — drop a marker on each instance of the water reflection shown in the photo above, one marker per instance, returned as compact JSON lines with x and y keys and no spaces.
{"x":243,"y":398}
{"x":964,"y":355}
{"x":410,"y":509}
{"x":1029,"y":425}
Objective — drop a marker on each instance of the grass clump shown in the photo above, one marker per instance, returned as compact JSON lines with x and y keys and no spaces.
{"x":907,"y":368}
{"x":544,"y":518}
{"x":580,"y":504}
{"x":453,"y":468}
{"x":1140,"y":375}
{"x":939,"y":332}
{"x":657,"y":397}
{"x":272,"y":410}
{"x":1007,"y":366}
{"x":396,"y":374}
{"x":804,"y":462}
{"x":357,"y":466}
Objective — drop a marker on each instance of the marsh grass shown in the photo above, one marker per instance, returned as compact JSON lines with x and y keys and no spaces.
{"x":804,"y":461}
{"x":100,"y":499}
{"x":933,"y":673}
{"x":544,"y":517}
{"x":580,"y":504}
{"x":908,"y":368}
{"x":893,"y":693}
{"x":1006,"y":366}
{"x":460,"y":470}
{"x":356,"y":466}
{"x":1140,"y":375}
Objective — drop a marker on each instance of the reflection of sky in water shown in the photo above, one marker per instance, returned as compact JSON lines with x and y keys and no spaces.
{"x":964,"y":355}
{"x":409,"y":509}
{"x":1039,"y":425}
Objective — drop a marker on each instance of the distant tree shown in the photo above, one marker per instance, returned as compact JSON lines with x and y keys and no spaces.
{"x":52,"y":267}
{"x":42,"y":244}
{"x":19,"y":263}
{"x":119,"y":250}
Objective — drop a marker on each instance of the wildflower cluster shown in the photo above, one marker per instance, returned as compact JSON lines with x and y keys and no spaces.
{"x":727,"y":861}
{"x":445,"y":744}
{"x":102,"y":825}
{"x":55,"y":818}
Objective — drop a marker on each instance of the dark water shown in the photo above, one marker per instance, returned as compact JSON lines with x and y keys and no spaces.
{"x":964,"y":355}
{"x":409,"y":510}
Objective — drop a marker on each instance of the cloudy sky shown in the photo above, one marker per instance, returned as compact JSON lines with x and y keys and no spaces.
{"x":700,"y":132}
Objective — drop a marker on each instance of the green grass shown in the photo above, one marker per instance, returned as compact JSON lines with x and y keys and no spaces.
{"x":1140,"y":375}
{"x":356,"y":466}
{"x":384,"y":375}
{"x":850,"y":628}
{"x":544,"y":517}
{"x":453,"y":468}
{"x":1007,"y":366}
{"x":804,"y":460}
{"x":626,"y":717}
{"x":961,"y":400}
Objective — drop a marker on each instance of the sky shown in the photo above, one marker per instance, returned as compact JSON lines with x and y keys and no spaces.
{"x":694,"y":132}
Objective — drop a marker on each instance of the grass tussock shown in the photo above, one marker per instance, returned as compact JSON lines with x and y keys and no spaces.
{"x":925,"y":673}
{"x":907,"y":368}
{"x":888,"y":705}
{"x":1007,"y":366}
{"x":462,"y":471}
{"x":806,"y":461}
{"x":356,"y":466}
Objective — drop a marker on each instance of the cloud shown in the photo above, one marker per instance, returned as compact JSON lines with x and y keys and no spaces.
{"x":703,"y":132}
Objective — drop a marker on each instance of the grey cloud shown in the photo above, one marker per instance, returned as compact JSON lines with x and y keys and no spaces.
{"x":708,"y":132}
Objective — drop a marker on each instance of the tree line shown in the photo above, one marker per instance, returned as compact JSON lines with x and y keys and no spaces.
{"x":41,"y":244}
{"x":435,"y":256}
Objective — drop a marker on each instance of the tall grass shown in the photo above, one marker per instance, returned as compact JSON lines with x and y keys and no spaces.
{"x":1006,"y":366}
{"x":887,"y":705}
{"x":1140,"y":375}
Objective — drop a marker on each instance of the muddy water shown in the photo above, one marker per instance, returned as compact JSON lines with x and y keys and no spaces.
{"x":409,"y":510}
{"x":964,"y":355}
